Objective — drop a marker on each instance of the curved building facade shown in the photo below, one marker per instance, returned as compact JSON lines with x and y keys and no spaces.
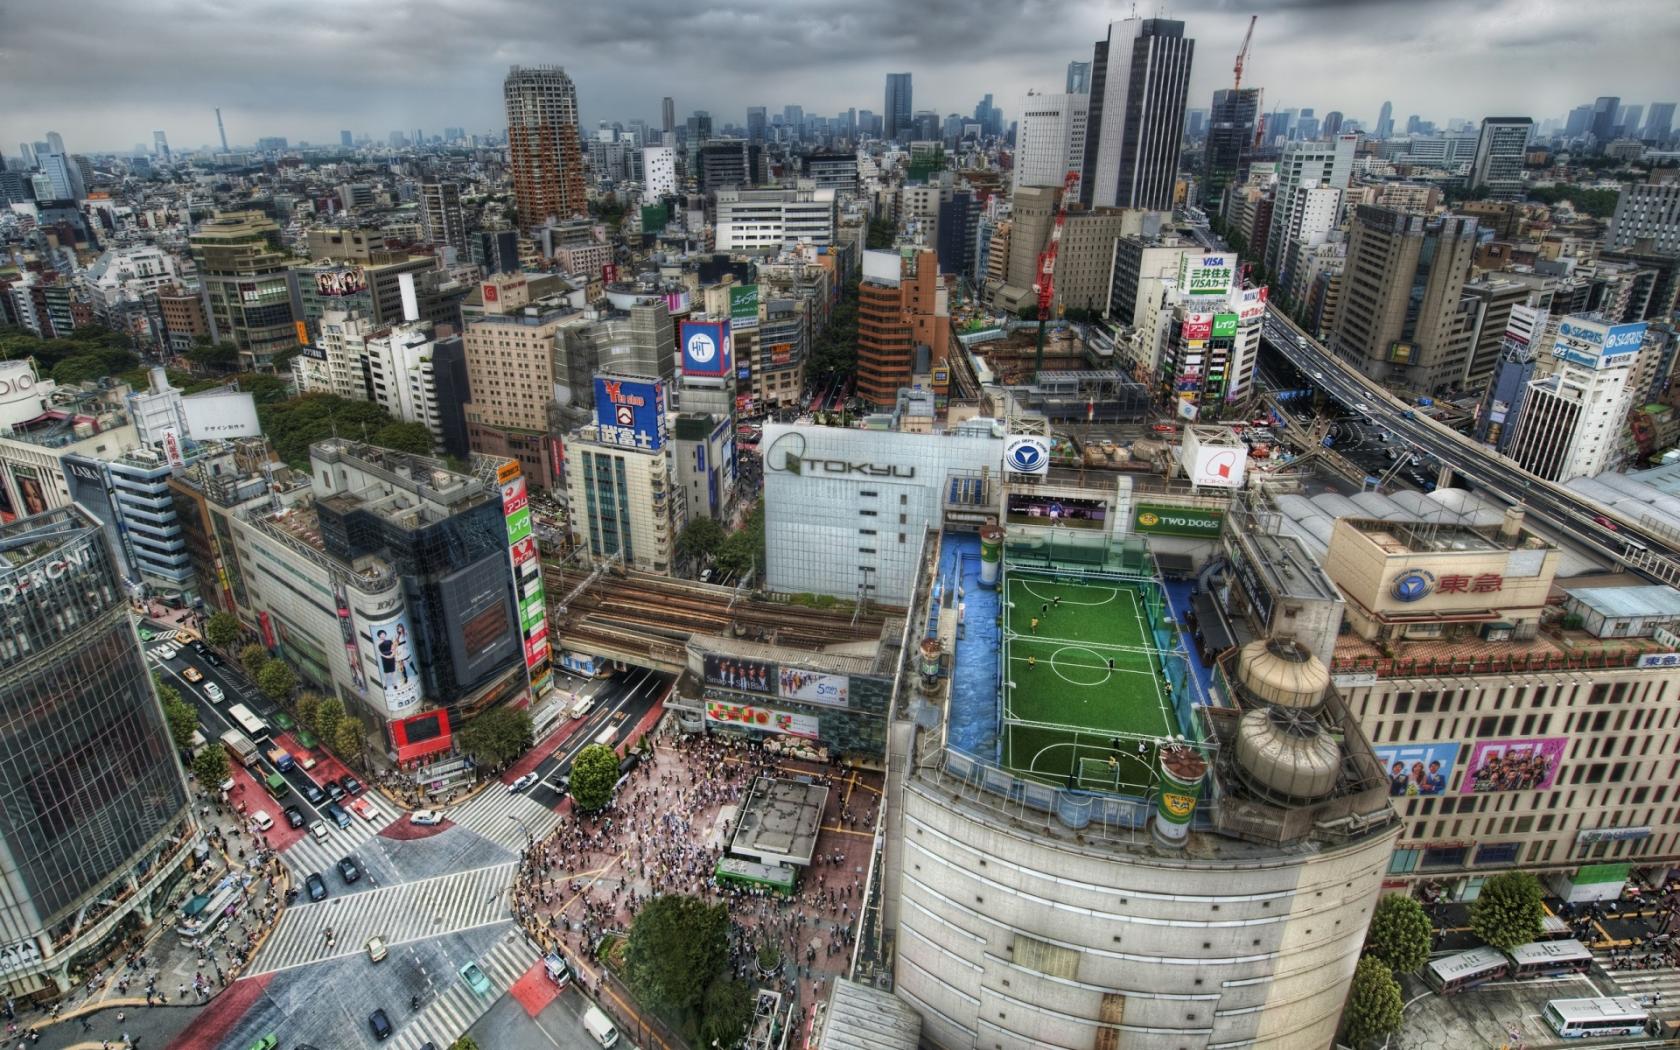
{"x":95,"y":815}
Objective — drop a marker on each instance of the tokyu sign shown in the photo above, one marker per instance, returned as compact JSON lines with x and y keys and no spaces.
{"x":1153,"y":519}
{"x":1206,"y":275}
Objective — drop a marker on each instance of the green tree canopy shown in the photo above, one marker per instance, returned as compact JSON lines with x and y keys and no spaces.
{"x":1373,"y":1004}
{"x":307,"y":705}
{"x":253,"y":658}
{"x":466,"y":1042}
{"x":404,"y":437}
{"x":292,"y":426}
{"x":744,"y":548}
{"x":211,"y":767}
{"x":328,"y":713}
{"x":677,"y":945}
{"x":222,"y":629}
{"x":498,"y":736}
{"x":880,"y":234}
{"x":1509,"y":910}
{"x":725,"y":1012}
{"x":348,"y":739}
{"x":277,"y":680}
{"x":1400,"y":934}
{"x":182,"y":716}
{"x":699,"y":539}
{"x":594,"y":772}
{"x":92,"y":365}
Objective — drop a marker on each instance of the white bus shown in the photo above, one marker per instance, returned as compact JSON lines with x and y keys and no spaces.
{"x":1549,"y":958}
{"x":1590,"y":1018}
{"x":254,"y":727}
{"x":1454,"y":973}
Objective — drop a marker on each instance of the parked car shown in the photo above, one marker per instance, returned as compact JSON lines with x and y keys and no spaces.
{"x":332,"y":789}
{"x":316,"y":886}
{"x":262,"y":820}
{"x":425,"y":816}
{"x":314,"y":794}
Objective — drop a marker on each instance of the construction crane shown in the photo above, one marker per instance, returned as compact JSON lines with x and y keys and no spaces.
{"x":1046,"y":284}
{"x":1242,"y":53}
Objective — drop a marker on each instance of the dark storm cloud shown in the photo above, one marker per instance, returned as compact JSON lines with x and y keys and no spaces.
{"x":108,"y":77}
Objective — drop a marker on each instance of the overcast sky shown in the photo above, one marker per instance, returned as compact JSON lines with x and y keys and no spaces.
{"x":106,"y":78}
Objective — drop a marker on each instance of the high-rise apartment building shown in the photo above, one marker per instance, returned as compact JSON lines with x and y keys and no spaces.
{"x":1140,"y":75}
{"x":896,"y":117}
{"x":1602,"y":125}
{"x":1306,"y":172}
{"x":1078,"y":78}
{"x":511,"y":373}
{"x":97,"y":820}
{"x":441,"y":218}
{"x":668,"y":115}
{"x":1050,"y":141}
{"x":243,"y":276}
{"x":1230,"y":141}
{"x":1500,"y":152}
{"x":901,"y":307}
{"x":1647,"y":216}
{"x":756,"y":123}
{"x":1572,"y":420}
{"x":544,"y":150}
{"x":659,"y":172}
{"x":1404,"y":319}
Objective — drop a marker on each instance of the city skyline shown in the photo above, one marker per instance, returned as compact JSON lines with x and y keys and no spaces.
{"x":374,"y":75}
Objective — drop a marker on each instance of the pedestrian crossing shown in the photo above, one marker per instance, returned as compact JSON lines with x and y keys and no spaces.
{"x":504,"y":819}
{"x":396,"y":914}
{"x":308,"y":855}
{"x":1663,"y":981}
{"x":447,"y":1016}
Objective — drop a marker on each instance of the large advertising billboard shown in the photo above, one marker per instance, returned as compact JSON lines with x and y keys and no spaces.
{"x":1206,"y":275}
{"x":347,"y":631}
{"x":743,"y":307}
{"x":1594,"y":343}
{"x":631,"y":412}
{"x":813,"y":687}
{"x":763,"y":719}
{"x":1153,"y":519}
{"x":1027,"y":454}
{"x":32,"y":495}
{"x":1197,"y":326}
{"x":1028,"y":509}
{"x":481,"y":634}
{"x":527,"y":574}
{"x":1417,"y":769}
{"x":217,"y":414}
{"x":734,"y":672}
{"x":706,"y":349}
{"x":1224,"y":326}
{"x":391,"y":641}
{"x":1513,"y":765}
{"x":338,"y":283}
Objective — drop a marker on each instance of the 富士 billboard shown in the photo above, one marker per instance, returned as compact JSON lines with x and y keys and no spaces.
{"x":1513,"y":765}
{"x":813,"y":687}
{"x":706,"y":349}
{"x":1156,"y":520}
{"x":734,"y":672}
{"x":630,"y":412}
{"x":1417,"y":769}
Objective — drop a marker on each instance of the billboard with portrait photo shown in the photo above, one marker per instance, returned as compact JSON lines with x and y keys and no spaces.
{"x":813,"y":687}
{"x":735,"y":672}
{"x":32,"y":496}
{"x":1513,"y":765}
{"x":338,"y":283}
{"x":390,"y":643}
{"x":1417,"y":769}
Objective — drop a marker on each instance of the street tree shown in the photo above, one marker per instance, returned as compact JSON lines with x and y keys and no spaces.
{"x":253,"y":658}
{"x":1400,"y":934}
{"x":308,"y":703}
{"x":466,"y":1042}
{"x":328,"y":713}
{"x":182,"y":717}
{"x":1373,"y":1004}
{"x":699,"y":539}
{"x":498,"y":736}
{"x":594,"y":772}
{"x":1508,"y":911}
{"x":210,"y":767}
{"x":277,"y":680}
{"x":222,"y":629}
{"x":677,"y":946}
{"x":348,"y":737}
{"x":725,"y":1012}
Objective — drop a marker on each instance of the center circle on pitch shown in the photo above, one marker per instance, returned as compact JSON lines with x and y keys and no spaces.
{"x":1099,"y":669}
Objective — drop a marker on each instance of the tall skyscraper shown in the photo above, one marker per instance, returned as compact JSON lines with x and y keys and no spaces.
{"x":1140,"y":74}
{"x":668,"y":113}
{"x":1079,"y":78}
{"x":1385,"y":121}
{"x":1312,"y":177}
{"x":56,"y":141}
{"x":1230,"y":141}
{"x":1603,"y":125}
{"x":896,"y":120}
{"x":1332,"y":125}
{"x":1647,"y":218}
{"x":1051,"y":139}
{"x":1631,"y":119}
{"x":440,"y":214}
{"x":1500,"y":149}
{"x":160,"y":146}
{"x":543,"y":145}
{"x":1659,"y":126}
{"x":755,"y":123}
{"x":346,"y":139}
{"x":794,"y":118}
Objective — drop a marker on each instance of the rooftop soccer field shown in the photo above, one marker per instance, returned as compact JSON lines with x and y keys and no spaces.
{"x":1081,"y":674}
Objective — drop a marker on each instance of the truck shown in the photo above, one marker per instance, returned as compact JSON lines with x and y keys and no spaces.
{"x":242,"y":750}
{"x":279,"y":758}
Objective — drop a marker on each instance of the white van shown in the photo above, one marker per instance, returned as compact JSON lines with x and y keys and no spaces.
{"x":214,"y":692}
{"x":607,"y":736}
{"x":581,"y":706}
{"x":596,"y":1024}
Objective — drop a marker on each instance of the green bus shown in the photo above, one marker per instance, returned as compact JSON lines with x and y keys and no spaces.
{"x":277,"y":786}
{"x":735,"y":871}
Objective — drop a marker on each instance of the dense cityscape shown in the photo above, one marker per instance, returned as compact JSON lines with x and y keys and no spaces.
{"x":1130,"y":564}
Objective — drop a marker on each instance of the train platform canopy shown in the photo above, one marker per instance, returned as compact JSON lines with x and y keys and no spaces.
{"x":779,"y":821}
{"x":858,"y":1017}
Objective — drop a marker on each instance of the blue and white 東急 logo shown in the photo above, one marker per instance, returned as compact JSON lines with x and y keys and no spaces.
{"x":1413,"y":585}
{"x":1027,"y":454}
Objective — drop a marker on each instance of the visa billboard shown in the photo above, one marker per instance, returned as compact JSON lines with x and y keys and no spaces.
{"x":706,"y":349}
{"x":631,"y":412}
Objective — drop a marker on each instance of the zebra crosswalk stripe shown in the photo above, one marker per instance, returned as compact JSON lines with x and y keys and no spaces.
{"x":308,"y":855}
{"x":488,"y":816}
{"x":445,"y":1017}
{"x":397,"y":914}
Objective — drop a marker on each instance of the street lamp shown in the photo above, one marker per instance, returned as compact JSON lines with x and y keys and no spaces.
{"x":517,"y":819}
